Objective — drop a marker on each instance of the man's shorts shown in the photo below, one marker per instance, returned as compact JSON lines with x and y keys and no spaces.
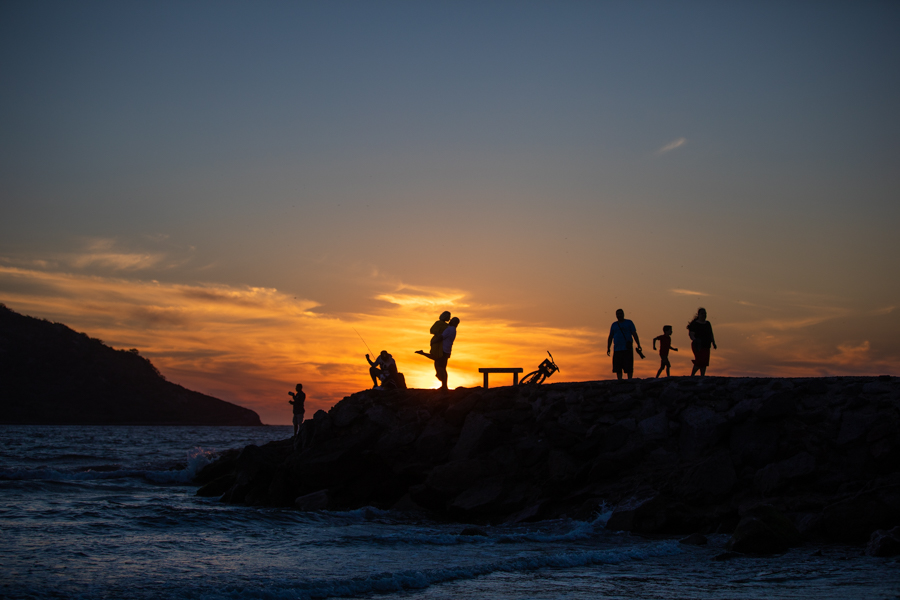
{"x":623,"y":360}
{"x":298,"y":419}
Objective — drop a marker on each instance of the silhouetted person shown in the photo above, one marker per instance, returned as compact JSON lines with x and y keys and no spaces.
{"x":702,"y":338}
{"x":297,"y":402}
{"x":621,"y":332}
{"x":665,"y":344}
{"x":437,"y":340}
{"x":382,"y":370}
{"x":448,"y":336}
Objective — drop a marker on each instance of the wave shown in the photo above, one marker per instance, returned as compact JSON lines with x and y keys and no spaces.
{"x":573,"y":531}
{"x":386,"y":583}
{"x":196,"y":460}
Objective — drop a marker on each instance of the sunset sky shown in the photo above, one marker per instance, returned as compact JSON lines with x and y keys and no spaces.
{"x":237,"y":189}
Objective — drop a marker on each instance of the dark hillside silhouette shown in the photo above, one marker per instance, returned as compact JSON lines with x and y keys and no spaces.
{"x":50,"y":374}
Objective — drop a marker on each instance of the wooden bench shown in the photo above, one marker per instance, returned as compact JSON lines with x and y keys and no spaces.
{"x":514,"y":370}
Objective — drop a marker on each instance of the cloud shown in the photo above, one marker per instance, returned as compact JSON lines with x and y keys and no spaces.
{"x":118,"y":261}
{"x":412,"y":298}
{"x":883,"y":311}
{"x":251,"y":344}
{"x":672,"y":146}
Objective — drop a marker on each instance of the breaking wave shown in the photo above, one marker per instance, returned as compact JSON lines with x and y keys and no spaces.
{"x":196,"y":460}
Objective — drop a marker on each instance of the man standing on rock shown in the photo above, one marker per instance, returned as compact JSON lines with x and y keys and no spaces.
{"x":621,"y":332}
{"x":440,"y":364}
{"x":299,"y":397}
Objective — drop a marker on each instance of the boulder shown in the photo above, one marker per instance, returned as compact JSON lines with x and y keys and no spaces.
{"x":763,"y":530}
{"x":344,"y":413}
{"x":478,"y":498}
{"x":854,"y":426}
{"x":853,"y":520}
{"x":713,"y":477}
{"x":315,"y":501}
{"x":754,"y":443}
{"x":436,"y":439}
{"x":645,"y":514}
{"x":701,"y":428}
{"x":455,"y":477}
{"x":777,"y":405}
{"x":655,"y":427}
{"x":778,"y":474}
{"x":884,"y":543}
{"x":561,"y":466}
{"x":476,"y":433}
{"x":695,"y":539}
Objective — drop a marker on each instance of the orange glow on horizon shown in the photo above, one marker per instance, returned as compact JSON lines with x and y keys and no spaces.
{"x":251,"y":345}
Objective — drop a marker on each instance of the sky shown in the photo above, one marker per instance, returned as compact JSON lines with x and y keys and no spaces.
{"x":256,"y":194}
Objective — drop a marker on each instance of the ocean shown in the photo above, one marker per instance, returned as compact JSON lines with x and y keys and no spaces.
{"x":110,"y":512}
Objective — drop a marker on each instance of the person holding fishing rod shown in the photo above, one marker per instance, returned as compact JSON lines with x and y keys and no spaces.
{"x":383,"y":370}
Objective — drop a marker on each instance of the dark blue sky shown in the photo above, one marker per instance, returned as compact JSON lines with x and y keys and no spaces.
{"x":534,"y":155}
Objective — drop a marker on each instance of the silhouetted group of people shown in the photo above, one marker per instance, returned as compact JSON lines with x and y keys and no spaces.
{"x":623,"y":331}
{"x":622,"y":343}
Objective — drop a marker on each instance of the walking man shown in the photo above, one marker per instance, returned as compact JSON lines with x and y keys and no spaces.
{"x":621,"y":332}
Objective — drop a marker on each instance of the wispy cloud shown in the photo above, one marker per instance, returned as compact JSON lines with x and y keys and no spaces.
{"x":250,"y":344}
{"x":411,"y":298}
{"x":682,"y":292}
{"x":672,"y":145}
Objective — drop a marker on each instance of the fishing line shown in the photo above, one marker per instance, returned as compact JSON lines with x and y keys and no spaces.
{"x":363,"y":341}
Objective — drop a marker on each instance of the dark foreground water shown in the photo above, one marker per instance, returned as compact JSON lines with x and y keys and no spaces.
{"x":109,"y":512}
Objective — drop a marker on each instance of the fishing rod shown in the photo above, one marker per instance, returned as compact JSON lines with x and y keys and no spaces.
{"x":363,"y":341}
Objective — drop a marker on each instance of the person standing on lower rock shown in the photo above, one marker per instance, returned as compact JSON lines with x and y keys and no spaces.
{"x":298,"y":399}
{"x":440,"y":364}
{"x":621,"y":332}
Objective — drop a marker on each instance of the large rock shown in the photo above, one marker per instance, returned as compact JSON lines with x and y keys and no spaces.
{"x":713,"y":476}
{"x":475,"y":434}
{"x":645,"y":514}
{"x":764,"y":530}
{"x":778,"y":474}
{"x":315,"y":501}
{"x":701,"y":428}
{"x":754,"y":443}
{"x":655,"y":427}
{"x":884,"y":543}
{"x":676,"y":456}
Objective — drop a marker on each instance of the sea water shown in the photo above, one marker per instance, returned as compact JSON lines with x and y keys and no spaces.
{"x":110,"y":512}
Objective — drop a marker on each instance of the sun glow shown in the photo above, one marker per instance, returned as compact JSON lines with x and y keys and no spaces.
{"x":250,"y":345}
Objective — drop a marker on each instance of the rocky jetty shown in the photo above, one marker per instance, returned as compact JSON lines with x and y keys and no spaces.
{"x":774,"y":461}
{"x":50,"y":374}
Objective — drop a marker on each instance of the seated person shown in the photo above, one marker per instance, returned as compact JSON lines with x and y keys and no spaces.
{"x":383,"y":370}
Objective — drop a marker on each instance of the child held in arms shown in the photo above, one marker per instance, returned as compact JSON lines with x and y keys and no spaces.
{"x":665,"y":344}
{"x":298,"y":399}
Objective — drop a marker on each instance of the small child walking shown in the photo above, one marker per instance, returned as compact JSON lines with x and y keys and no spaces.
{"x":297,"y":402}
{"x":665,"y":344}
